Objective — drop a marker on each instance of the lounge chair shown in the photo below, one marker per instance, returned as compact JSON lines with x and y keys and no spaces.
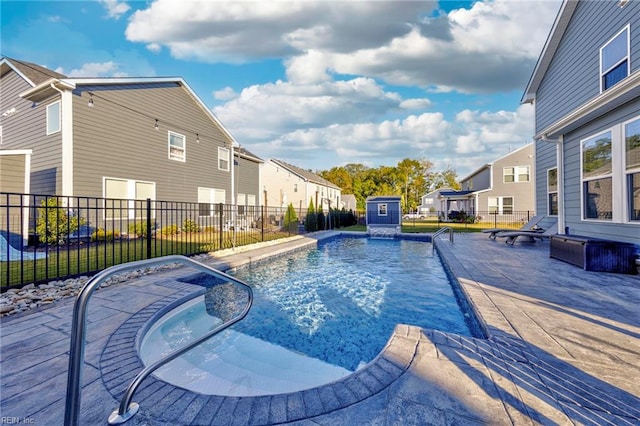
{"x":529,"y":226}
{"x":531,"y":236}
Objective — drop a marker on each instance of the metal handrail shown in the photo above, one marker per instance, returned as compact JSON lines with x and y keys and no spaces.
{"x":127,"y":409}
{"x":442,"y":231}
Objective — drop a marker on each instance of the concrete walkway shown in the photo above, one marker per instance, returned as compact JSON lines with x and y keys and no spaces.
{"x":563,"y":348}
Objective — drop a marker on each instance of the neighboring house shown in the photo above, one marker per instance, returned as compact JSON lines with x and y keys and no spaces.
{"x":247,"y":185}
{"x":286,"y":184}
{"x":434,"y":202}
{"x":133,"y":138}
{"x":586,"y":93}
{"x":384,"y":214}
{"x":503,"y":187}
{"x":349,"y":202}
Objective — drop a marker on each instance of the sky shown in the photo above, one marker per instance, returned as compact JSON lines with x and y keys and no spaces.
{"x":317,"y":84}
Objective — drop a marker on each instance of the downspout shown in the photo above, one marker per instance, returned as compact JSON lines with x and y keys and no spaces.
{"x":560,"y":164}
{"x":66,"y":119}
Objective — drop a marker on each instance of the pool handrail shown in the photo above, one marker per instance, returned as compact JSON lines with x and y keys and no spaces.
{"x":442,"y":231}
{"x":127,"y":409}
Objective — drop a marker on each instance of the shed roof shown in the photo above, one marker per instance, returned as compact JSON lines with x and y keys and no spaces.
{"x":378,"y":198}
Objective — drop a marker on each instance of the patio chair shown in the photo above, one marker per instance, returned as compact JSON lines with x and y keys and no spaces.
{"x":531,"y":236}
{"x":529,"y":226}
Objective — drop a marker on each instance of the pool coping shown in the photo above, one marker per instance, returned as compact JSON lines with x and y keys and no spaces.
{"x":120,"y":363}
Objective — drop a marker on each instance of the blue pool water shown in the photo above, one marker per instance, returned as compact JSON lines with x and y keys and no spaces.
{"x":323,"y":312}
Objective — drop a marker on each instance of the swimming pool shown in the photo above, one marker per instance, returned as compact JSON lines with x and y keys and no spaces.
{"x":318,"y":315}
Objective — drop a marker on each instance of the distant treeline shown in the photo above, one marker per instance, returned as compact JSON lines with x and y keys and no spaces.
{"x":410,"y":179}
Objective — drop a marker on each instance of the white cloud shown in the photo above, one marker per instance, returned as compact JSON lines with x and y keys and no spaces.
{"x":225,"y":94}
{"x":115,"y":9}
{"x":96,"y":69}
{"x":403,"y":43}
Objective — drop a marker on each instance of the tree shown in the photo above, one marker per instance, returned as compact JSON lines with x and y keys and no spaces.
{"x":311,"y":221}
{"x":54,"y":223}
{"x":291,"y":219}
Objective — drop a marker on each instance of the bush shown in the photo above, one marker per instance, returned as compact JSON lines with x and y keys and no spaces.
{"x":102,"y":235}
{"x":189,"y":225}
{"x":139,"y":229}
{"x":169,"y":230}
{"x":53,"y":222}
{"x":291,"y":219}
{"x":311,"y":221}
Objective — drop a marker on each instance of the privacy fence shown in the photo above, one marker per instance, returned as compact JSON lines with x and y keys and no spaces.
{"x":44,"y":237}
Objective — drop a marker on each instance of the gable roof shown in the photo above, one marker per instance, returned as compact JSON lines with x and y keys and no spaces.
{"x":32,"y":73}
{"x":490,"y":164}
{"x":551,"y":45}
{"x":305,"y":174}
{"x":46,"y":83}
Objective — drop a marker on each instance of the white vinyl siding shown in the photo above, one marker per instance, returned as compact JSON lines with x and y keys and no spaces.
{"x":53,"y":118}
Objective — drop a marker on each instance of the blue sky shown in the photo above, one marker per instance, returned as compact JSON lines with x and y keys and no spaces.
{"x":315,"y":83}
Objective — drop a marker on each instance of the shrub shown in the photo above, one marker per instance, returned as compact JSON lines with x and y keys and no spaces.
{"x":189,"y":225}
{"x":311,"y":221}
{"x":169,"y":230}
{"x":291,"y":219}
{"x":54,"y":223}
{"x":102,"y":235}
{"x":139,"y":229}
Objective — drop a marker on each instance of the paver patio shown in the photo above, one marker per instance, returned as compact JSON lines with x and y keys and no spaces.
{"x":563,"y":348}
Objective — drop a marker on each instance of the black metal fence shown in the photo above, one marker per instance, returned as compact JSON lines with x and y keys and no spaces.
{"x":43,"y":238}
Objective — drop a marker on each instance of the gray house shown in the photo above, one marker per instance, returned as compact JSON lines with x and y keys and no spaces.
{"x":503,"y":187}
{"x":129,"y":138}
{"x":586,"y":93}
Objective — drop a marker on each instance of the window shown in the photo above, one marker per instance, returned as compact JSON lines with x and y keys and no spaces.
{"x":177,"y":147}
{"x":223,"y":159}
{"x":295,"y":187}
{"x":124,"y":196}
{"x":632,"y":167}
{"x":614,"y":60}
{"x":53,"y":118}
{"x":500,"y":205}
{"x":382,"y":209}
{"x":515,"y":174}
{"x":208,"y":198}
{"x":241,"y":202}
{"x":552,"y":191}
{"x":596,"y":177}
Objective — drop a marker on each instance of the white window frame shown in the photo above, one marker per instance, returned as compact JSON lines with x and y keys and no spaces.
{"x":382,"y":209}
{"x":551,"y":191}
{"x":175,"y":154}
{"x":516,"y":172}
{"x":628,"y":172}
{"x":215,"y":196}
{"x":499,"y":204}
{"x":132,"y":197}
{"x":627,"y":57}
{"x":50,"y":120}
{"x":608,"y":175}
{"x":223,"y":156}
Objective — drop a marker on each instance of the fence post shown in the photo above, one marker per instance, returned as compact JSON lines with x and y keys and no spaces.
{"x":220,"y":224}
{"x":148,"y":228}
{"x":495,"y":219}
{"x":262,"y":221}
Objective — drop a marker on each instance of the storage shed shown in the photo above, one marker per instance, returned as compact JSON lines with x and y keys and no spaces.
{"x":383,"y":214}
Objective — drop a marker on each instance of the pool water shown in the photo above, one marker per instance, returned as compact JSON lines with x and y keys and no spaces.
{"x":318,"y":315}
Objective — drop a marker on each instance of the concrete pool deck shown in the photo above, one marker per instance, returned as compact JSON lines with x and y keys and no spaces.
{"x":563,"y":348}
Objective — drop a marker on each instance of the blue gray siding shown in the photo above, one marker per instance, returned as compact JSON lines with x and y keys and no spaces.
{"x":545,"y":159}
{"x":573,"y":208}
{"x":572,"y":78}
